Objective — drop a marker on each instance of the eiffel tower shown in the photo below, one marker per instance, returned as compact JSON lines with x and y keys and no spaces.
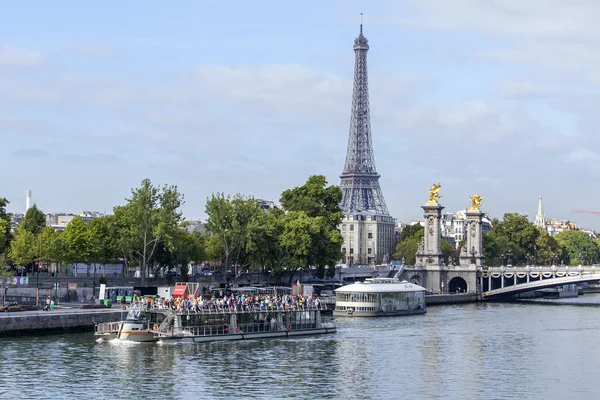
{"x":367,"y":227}
{"x":360,"y":180}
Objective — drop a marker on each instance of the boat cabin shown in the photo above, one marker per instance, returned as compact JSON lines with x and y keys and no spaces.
{"x":380,"y":296}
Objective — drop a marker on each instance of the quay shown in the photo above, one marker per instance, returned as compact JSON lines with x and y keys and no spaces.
{"x":451,"y":298}
{"x":63,"y":318}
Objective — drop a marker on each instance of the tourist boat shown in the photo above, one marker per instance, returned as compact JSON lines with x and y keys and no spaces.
{"x":135,"y":328}
{"x":217,"y":323}
{"x":378,"y":297}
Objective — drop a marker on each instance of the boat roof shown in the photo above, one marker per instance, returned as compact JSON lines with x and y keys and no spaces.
{"x":383,"y":287}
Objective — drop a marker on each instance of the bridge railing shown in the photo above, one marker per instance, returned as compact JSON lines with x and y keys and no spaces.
{"x":554,"y":281}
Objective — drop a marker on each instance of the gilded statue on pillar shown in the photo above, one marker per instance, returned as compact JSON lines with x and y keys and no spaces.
{"x":434,"y":193}
{"x":476,"y":202}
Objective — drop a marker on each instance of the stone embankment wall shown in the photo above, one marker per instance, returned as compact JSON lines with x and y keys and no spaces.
{"x":53,"y":321}
{"x":450,"y":298}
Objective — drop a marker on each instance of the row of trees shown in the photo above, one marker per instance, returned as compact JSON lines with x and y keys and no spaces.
{"x":514,"y":240}
{"x":144,"y":232}
{"x":147,"y":232}
{"x":303,"y":233}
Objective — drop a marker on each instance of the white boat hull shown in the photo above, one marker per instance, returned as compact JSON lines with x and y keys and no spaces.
{"x":136,"y":332}
{"x":249,"y":336}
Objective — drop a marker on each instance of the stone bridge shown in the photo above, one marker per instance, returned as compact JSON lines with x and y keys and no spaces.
{"x":497,"y":282}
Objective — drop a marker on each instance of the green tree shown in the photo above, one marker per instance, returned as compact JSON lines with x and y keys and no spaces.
{"x":103,"y":241}
{"x":5,"y":276}
{"x":5,"y":220}
{"x":547,"y":250}
{"x":23,"y":248}
{"x":580,"y":248}
{"x":320,"y":202}
{"x":409,"y":231}
{"x":150,"y":216}
{"x":186,"y":247}
{"x":78,"y":246}
{"x":46,"y":242}
{"x":407,"y":247}
{"x":296,"y":241}
{"x":228,"y":220}
{"x":215,"y":251}
{"x":512,"y":238}
{"x":263,"y":244}
{"x":448,"y":251}
{"x":34,"y":220}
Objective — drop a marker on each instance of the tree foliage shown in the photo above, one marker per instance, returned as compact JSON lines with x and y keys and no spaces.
{"x":516,"y":240}
{"x":151,"y":216}
{"x":304,"y":234}
{"x":411,"y":238}
{"x":229,"y":220}
{"x":320,"y":203}
{"x":34,"y":220}
{"x":77,"y":242}
{"x":406,"y":248}
{"x":579,"y":247}
{"x":23,"y":247}
{"x":5,"y":234}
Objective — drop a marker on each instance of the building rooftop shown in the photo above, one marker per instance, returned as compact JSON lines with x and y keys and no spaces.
{"x":384,"y":287}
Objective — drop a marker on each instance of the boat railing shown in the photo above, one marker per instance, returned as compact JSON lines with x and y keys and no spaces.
{"x":107,"y":327}
{"x":250,"y":308}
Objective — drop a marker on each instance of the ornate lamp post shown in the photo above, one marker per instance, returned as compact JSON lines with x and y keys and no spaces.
{"x":534,"y":254}
{"x":502,"y":259}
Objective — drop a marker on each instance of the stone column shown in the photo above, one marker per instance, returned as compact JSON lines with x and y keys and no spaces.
{"x":471,"y":254}
{"x":430,"y":251}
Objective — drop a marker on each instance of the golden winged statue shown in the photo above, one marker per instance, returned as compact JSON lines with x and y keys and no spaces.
{"x":434,"y":193}
{"x":476,"y":202}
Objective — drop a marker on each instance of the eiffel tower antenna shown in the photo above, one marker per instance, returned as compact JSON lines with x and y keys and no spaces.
{"x":360,"y":180}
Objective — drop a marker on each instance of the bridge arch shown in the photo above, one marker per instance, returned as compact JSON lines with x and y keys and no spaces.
{"x":416,"y":279}
{"x":457,"y":285}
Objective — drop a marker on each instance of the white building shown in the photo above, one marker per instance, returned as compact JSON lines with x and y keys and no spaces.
{"x":368,"y":238}
{"x":59,"y":221}
{"x":454,"y":226}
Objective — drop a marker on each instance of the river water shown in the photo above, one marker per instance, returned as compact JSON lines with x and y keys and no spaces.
{"x":471,"y":351}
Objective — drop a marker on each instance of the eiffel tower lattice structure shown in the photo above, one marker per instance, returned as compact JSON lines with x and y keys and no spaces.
{"x":360,"y":181}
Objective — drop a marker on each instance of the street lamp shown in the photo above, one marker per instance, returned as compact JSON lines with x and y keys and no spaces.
{"x":95,"y":249}
{"x":58,"y":245}
{"x":509,"y":258}
{"x":502,"y":259}
{"x":534,"y":254}
{"x":37,"y":282}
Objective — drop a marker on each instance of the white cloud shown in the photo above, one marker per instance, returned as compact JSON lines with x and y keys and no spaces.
{"x":524,"y":88}
{"x":15,"y":57}
{"x":552,"y":35}
{"x":92,"y":50}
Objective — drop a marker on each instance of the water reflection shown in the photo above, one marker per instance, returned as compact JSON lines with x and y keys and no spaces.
{"x":500,"y":351}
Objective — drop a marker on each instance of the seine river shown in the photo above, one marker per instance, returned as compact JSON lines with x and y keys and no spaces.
{"x":473,"y":351}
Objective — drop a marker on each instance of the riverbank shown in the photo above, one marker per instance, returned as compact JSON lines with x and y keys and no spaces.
{"x":61,"y":319}
{"x":450,"y":298}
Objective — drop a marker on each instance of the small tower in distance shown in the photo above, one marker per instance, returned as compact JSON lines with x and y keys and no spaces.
{"x":540,"y":218}
{"x":27,"y":200}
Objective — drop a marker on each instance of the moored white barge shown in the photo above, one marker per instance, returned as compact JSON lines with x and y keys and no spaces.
{"x":380,"y":297}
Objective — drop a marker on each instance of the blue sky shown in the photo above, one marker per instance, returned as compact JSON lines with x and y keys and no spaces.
{"x":496,"y":98}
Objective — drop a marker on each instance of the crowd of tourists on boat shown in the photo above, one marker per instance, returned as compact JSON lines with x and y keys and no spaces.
{"x":232,"y":302}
